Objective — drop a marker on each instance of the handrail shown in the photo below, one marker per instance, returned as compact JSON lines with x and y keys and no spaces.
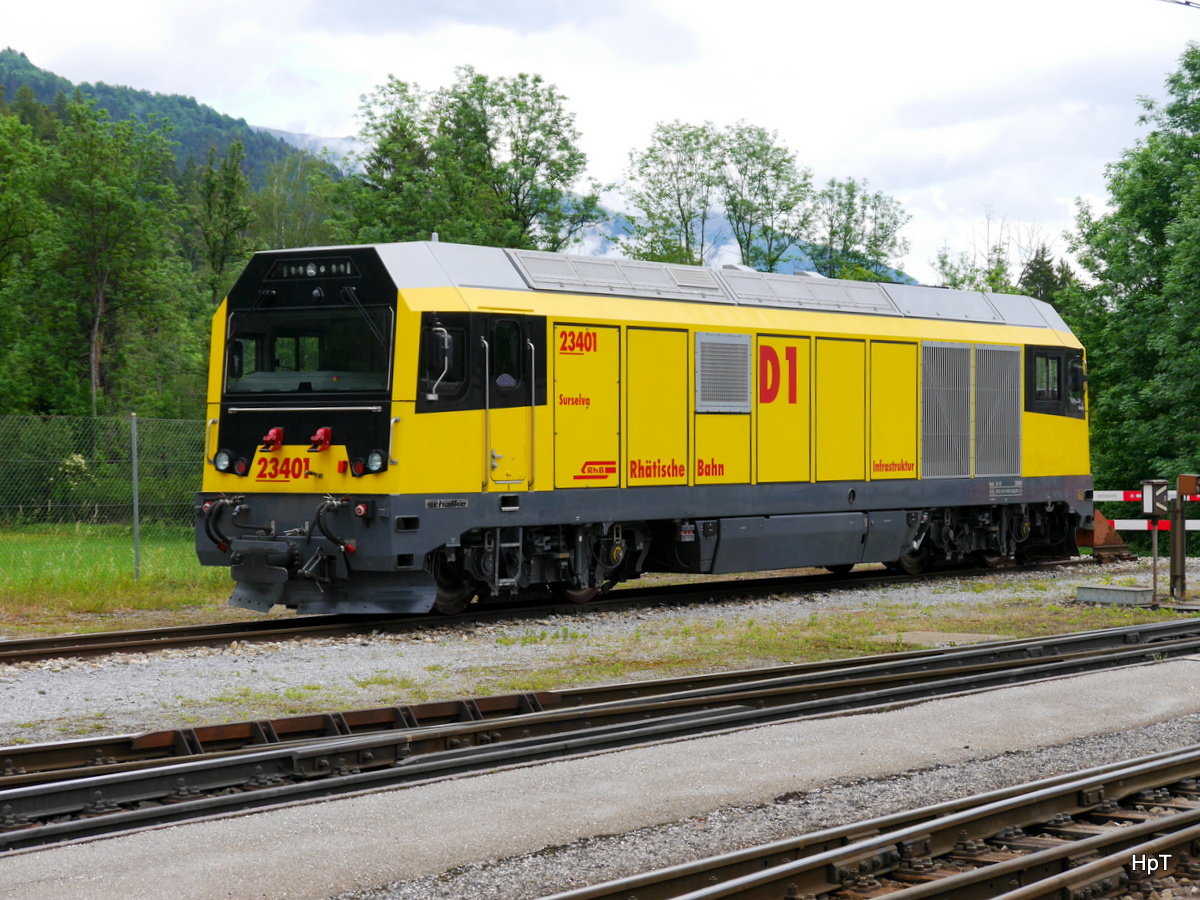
{"x":208,"y":441}
{"x":532,"y":411}
{"x":392,"y":441}
{"x":488,"y":463}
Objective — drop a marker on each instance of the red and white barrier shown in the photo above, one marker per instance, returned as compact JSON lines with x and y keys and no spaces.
{"x":1148,"y":524}
{"x":1134,"y":496}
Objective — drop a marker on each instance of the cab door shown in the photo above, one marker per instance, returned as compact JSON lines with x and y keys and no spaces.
{"x":508,"y":402}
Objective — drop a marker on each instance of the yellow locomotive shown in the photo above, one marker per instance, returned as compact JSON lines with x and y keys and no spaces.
{"x":400,"y":427}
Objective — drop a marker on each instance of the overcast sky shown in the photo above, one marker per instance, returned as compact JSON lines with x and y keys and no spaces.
{"x":956,"y":109}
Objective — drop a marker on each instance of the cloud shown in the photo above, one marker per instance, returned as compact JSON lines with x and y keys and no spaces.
{"x":522,"y":16}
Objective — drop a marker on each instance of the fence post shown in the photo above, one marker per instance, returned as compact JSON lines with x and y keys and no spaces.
{"x":137,"y":531}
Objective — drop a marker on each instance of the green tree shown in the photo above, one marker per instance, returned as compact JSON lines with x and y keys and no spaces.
{"x":110,"y":190}
{"x":484,"y":161}
{"x":767,"y":198}
{"x":990,"y":269}
{"x":1043,"y":278}
{"x":38,"y":116}
{"x":965,"y":271}
{"x":1137,"y":314}
{"x":675,"y":186}
{"x":856,"y":233}
{"x":292,"y":208}
{"x":220,"y":213}
{"x":22,"y":208}
{"x":530,"y":159}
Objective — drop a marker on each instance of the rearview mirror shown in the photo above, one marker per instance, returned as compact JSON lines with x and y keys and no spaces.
{"x":443,"y":352}
{"x":236,"y":360}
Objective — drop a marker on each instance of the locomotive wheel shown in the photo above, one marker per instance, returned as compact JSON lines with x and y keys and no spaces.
{"x":914,"y":562}
{"x":574,"y":595}
{"x":992,"y":560}
{"x":454,"y":593}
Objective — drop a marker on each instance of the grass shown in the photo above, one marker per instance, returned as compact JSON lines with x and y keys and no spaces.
{"x":679,"y":646}
{"x":71,"y":577}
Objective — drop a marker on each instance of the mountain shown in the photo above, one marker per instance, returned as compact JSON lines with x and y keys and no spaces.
{"x":195,"y":126}
{"x":339,"y":149}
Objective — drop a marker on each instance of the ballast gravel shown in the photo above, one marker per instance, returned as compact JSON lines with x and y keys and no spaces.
{"x":866,"y":767}
{"x":130,"y":693}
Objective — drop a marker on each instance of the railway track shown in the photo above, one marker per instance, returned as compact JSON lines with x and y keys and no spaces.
{"x":1104,"y":832}
{"x":81,"y":646}
{"x":64,"y":791}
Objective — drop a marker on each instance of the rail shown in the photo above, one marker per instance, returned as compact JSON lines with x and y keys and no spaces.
{"x":1082,"y":835}
{"x":49,"y":795}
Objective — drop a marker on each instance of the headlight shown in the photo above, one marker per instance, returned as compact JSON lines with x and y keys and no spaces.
{"x":375,"y":461}
{"x":223,"y":460}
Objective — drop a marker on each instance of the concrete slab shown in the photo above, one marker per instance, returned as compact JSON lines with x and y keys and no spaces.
{"x":1115,"y":595}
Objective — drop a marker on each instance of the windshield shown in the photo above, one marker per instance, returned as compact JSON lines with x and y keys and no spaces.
{"x":309,"y":350}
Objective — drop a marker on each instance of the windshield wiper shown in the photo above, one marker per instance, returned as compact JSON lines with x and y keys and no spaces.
{"x":258,"y":301}
{"x":350,"y":295}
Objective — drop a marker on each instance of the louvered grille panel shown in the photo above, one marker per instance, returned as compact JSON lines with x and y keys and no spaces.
{"x":997,"y":411}
{"x":946,"y":411}
{"x":722,"y":373}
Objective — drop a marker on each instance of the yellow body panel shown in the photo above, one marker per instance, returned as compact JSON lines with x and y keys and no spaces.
{"x":848,"y":420}
{"x":585,"y":395}
{"x":841,"y":398}
{"x":894,"y":421}
{"x":440,"y":453}
{"x":1053,"y":445}
{"x":289,"y":470}
{"x":783,"y":408}
{"x":510,"y":436}
{"x":722,"y":449}
{"x":657,"y":401}
{"x":216,"y":356}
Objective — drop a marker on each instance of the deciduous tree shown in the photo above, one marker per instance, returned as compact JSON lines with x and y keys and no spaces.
{"x":767,"y":197}
{"x":856,"y":233}
{"x":110,"y":188}
{"x":675,"y":187}
{"x":1138,"y":311}
{"x":484,"y":161}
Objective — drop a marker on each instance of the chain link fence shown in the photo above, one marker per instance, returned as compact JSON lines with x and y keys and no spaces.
{"x":65,"y":479}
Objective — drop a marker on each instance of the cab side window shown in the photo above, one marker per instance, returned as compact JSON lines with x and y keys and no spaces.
{"x":1048,"y":377}
{"x":506,"y":355}
{"x":1055,"y":382}
{"x":441,"y":372}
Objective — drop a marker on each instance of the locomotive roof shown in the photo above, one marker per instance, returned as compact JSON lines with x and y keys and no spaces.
{"x":434,"y":264}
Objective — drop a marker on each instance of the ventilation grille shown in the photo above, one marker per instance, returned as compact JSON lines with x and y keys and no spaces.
{"x":997,"y":411}
{"x":946,"y":411}
{"x":722,"y":373}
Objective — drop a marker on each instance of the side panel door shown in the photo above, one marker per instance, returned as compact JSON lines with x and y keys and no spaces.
{"x":586,"y":397}
{"x":783,"y":409}
{"x":657,"y":407}
{"x":893,"y":410}
{"x":841,"y":409}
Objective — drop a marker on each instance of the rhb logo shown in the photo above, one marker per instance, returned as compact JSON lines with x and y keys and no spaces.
{"x":593,"y":470}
